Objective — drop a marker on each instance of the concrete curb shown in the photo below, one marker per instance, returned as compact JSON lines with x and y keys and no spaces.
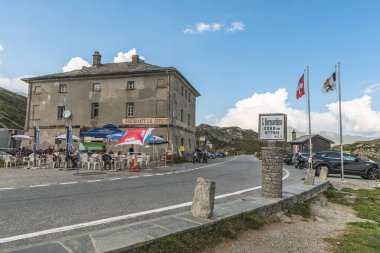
{"x":130,"y":237}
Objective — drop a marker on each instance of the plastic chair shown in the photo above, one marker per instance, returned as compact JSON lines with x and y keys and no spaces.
{"x":51,"y":162}
{"x":93,"y":160}
{"x":8,"y":160}
{"x":64,"y":160}
{"x":84,"y":161}
{"x":107,"y":160}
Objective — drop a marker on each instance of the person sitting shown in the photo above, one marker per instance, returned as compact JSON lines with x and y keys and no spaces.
{"x":73,"y":156}
{"x":107,"y":160}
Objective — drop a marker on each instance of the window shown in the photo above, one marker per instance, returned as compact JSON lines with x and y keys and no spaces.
{"x":61,"y":109}
{"x":182,"y":90}
{"x":130,"y":85}
{"x":161,"y":83}
{"x":130,"y":109}
{"x":189,"y":97}
{"x":94,"y":110}
{"x":186,"y":94}
{"x":63,"y":88}
{"x":176,"y":140}
{"x":189,"y":144}
{"x":175,"y":110}
{"x":182,"y":115}
{"x":182,"y":142}
{"x":188,"y":119}
{"x":96,"y":87}
{"x":37,"y":90}
{"x":36,"y":112}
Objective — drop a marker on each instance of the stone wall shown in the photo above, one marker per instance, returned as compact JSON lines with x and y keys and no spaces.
{"x":271,"y":172}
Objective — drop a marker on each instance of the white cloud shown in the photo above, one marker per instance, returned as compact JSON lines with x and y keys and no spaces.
{"x":358,"y":116}
{"x":127,"y":56}
{"x":372,"y":88}
{"x":75,"y":63}
{"x":14,"y":84}
{"x":235,"y":26}
{"x":204,"y":27}
{"x":1,"y":48}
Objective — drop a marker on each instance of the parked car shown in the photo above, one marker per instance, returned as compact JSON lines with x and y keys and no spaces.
{"x":289,"y":159}
{"x":352,"y":165}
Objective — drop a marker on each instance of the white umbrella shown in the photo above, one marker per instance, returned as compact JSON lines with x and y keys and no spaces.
{"x":21,"y":137}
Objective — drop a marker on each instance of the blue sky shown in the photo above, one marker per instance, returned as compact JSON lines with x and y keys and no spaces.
{"x":240,"y":73}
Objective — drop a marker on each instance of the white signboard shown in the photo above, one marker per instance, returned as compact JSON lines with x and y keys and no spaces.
{"x":272,"y":127}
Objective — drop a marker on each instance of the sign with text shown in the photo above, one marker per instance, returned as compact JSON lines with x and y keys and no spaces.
{"x":146,"y":121}
{"x":272,"y":126}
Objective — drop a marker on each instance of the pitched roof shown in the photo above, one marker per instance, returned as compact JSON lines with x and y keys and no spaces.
{"x":305,"y":138}
{"x":111,"y":69}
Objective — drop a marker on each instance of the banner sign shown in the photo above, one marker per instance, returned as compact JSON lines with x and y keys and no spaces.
{"x":272,"y":126}
{"x":146,"y":121}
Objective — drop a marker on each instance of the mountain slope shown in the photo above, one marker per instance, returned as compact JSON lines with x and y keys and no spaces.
{"x":12,"y":109}
{"x":230,"y":139}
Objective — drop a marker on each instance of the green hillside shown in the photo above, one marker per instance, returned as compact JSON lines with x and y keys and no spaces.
{"x":230,"y":139}
{"x":12,"y":110}
{"x":363,"y":149}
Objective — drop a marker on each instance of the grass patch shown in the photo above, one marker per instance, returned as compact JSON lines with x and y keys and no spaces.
{"x":361,"y":237}
{"x":207,"y":237}
{"x":301,"y":209}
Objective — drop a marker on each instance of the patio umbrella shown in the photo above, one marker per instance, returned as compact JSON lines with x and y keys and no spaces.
{"x":101,"y":132}
{"x":135,"y":136}
{"x":155,"y":140}
{"x":21,"y":137}
{"x":36,"y":145}
{"x":63,"y":137}
{"x":115,"y":136}
{"x":69,"y":139}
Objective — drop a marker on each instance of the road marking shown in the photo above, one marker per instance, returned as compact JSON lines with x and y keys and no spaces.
{"x":96,"y":180}
{"x":133,"y":177}
{"x":118,"y":218}
{"x":39,"y":185}
{"x":68,"y":183}
{"x":160,"y":174}
{"x":149,"y":175}
{"x":6,"y":188}
{"x":115,"y":178}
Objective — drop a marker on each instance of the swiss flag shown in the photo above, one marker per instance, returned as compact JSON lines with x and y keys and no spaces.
{"x":300,"y":88}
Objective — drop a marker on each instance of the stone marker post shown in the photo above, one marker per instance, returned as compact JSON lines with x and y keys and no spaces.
{"x":271,"y":171}
{"x":323,"y":173}
{"x":203,"y":201}
{"x":310,"y":176}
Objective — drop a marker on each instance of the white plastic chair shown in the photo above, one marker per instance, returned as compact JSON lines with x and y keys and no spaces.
{"x":8,"y":160}
{"x":84,"y":161}
{"x":93,"y":160}
{"x":65,"y":162}
{"x":51,"y":162}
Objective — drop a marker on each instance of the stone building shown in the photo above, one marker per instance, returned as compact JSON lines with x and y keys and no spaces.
{"x":128,"y":94}
{"x":318,"y":142}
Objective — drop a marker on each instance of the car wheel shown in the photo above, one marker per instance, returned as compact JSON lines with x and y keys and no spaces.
{"x":372,"y":174}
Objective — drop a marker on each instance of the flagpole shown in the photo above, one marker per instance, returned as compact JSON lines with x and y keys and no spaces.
{"x":308,"y":108}
{"x":340,"y":121}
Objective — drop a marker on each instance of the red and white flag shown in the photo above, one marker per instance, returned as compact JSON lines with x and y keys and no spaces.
{"x":300,"y":88}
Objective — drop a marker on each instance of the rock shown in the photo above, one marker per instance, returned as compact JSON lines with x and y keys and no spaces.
{"x":323,"y":173}
{"x":203,"y":201}
{"x":309,"y":180}
{"x":283,"y":218}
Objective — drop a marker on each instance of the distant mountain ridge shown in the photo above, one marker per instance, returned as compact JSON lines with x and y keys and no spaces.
{"x":12,"y":109}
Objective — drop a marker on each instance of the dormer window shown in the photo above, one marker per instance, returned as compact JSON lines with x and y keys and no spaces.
{"x":96,"y":87}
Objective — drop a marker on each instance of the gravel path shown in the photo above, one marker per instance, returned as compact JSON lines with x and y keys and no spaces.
{"x":328,"y":220}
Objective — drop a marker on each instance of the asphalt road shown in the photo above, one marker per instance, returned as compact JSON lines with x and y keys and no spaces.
{"x":29,"y":210}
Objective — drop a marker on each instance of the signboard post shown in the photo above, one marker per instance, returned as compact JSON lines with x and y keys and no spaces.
{"x":273,"y":129}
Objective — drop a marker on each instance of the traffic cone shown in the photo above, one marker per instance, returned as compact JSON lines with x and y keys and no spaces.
{"x":133,"y":166}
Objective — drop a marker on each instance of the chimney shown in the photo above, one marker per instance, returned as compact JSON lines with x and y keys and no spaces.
{"x":96,"y":59}
{"x":135,"y":58}
{"x":294,"y":135}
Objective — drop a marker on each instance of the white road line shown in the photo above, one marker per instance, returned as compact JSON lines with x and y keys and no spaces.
{"x":118,"y":218}
{"x":6,"y":188}
{"x":149,"y":175}
{"x":68,"y":183}
{"x":96,"y":180}
{"x":160,"y":174}
{"x":39,"y":185}
{"x":114,"y":178}
{"x":133,"y":177}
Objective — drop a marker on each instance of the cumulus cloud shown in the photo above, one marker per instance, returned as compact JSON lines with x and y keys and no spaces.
{"x":358,"y":116}
{"x":204,"y":27}
{"x":127,"y":56}
{"x":1,"y":48}
{"x":14,"y":84}
{"x":372,"y":88}
{"x":235,"y":26}
{"x":75,"y":63}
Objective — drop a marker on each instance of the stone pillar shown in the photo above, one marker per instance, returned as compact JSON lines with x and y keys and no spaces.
{"x":310,"y":176}
{"x":271,"y":172}
{"x":203,"y":201}
{"x":323,"y":173}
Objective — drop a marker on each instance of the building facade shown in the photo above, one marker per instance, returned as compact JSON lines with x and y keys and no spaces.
{"x":129,"y":95}
{"x":318,"y":143}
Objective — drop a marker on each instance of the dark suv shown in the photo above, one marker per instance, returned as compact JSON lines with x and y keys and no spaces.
{"x":351,"y":164}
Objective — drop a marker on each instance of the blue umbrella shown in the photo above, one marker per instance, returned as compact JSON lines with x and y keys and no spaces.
{"x":116,"y":136}
{"x":102,"y":132}
{"x":69,"y":139}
